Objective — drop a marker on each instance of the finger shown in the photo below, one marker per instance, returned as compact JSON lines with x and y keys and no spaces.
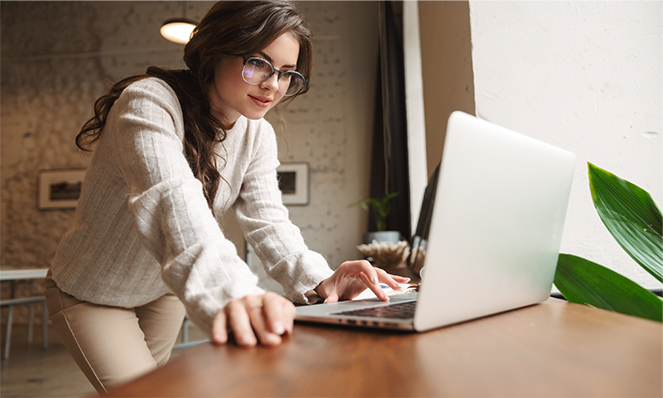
{"x":290,"y":312}
{"x":375,"y":288}
{"x":258,"y":321}
{"x":400,"y":279}
{"x":391,"y":280}
{"x":369,"y":271}
{"x":240,"y":323}
{"x":332,"y":298}
{"x":273,"y":310}
{"x":219,"y":331}
{"x":384,"y":277}
{"x":369,"y":275}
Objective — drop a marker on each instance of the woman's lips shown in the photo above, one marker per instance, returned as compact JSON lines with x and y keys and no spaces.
{"x":262,"y":102}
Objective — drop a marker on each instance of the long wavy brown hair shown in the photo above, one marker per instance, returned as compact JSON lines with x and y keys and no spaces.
{"x":230,"y":28}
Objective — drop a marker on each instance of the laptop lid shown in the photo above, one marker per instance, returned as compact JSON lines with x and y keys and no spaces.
{"x":497,"y":223}
{"x":489,"y":230}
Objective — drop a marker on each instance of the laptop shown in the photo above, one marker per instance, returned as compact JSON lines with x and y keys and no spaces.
{"x":488,"y":233}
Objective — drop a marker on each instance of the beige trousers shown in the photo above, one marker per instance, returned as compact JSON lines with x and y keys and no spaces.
{"x":113,"y":345}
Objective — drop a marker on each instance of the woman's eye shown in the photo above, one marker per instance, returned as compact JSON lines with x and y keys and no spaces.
{"x":258,"y":63}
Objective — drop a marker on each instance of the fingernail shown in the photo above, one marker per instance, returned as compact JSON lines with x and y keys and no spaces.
{"x":245,"y":339}
{"x":272,"y":338}
{"x":374,"y":279}
{"x":219,"y":338}
{"x":277,"y":327}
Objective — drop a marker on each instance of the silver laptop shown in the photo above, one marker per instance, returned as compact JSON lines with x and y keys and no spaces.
{"x":489,"y":232}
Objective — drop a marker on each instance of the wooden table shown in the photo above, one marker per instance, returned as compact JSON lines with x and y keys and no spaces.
{"x":551,"y":349}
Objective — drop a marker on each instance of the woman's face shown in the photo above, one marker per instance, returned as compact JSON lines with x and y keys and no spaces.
{"x":232,"y":96}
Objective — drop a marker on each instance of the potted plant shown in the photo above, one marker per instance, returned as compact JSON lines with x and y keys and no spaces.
{"x":381,"y":209}
{"x":634,"y":220}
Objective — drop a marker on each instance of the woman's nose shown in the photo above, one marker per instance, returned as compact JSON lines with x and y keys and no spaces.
{"x":272,"y":83}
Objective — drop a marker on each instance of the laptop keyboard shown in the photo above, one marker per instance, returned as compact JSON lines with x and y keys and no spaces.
{"x":396,"y":311}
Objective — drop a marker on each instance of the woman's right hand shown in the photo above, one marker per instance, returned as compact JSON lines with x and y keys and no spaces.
{"x":264,"y":318}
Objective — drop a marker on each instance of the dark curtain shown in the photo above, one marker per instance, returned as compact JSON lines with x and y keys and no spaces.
{"x":389,"y":168}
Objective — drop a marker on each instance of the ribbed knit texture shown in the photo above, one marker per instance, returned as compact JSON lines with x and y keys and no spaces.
{"x":143,"y":226}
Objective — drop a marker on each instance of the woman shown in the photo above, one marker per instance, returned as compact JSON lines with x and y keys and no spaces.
{"x":175,"y":150}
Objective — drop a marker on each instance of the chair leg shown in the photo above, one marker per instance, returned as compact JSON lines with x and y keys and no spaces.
{"x":31,"y":323}
{"x":44,"y":324}
{"x":8,"y":334}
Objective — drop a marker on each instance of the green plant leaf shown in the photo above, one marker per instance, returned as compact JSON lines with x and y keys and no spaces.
{"x":380,"y":208}
{"x":631,"y":216}
{"x":585,"y":282}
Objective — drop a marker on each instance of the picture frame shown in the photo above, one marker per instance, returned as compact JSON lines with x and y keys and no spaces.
{"x":59,"y":188}
{"x":294,"y":181}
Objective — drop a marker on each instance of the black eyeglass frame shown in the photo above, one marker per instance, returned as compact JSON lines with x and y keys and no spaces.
{"x":274,"y":70}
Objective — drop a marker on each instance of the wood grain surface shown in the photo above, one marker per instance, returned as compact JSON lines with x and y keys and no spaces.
{"x":553,"y":349}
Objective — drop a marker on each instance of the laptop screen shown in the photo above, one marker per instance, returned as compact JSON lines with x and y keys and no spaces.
{"x":419,"y":240}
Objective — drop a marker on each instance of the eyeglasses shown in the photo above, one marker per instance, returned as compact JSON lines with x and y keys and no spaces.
{"x":257,"y":70}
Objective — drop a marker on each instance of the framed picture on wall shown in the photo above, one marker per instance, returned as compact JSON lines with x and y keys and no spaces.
{"x":294,"y":183}
{"x":59,"y":189}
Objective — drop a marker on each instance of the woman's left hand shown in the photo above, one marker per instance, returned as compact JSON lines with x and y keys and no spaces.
{"x":353,"y":277}
{"x":262,"y":318}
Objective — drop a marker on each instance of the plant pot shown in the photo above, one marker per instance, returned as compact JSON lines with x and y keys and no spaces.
{"x":382,"y":236}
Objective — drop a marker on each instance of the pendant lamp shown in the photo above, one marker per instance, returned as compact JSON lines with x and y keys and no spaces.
{"x":178,"y":30}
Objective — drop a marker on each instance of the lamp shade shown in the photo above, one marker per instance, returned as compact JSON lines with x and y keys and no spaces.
{"x":178,"y":30}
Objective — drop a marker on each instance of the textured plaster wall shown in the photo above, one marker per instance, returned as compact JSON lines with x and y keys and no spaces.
{"x":585,"y":76}
{"x":56,"y":57}
{"x":331,"y":127}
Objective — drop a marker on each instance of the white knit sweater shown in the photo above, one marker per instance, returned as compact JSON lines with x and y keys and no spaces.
{"x":143,"y":226}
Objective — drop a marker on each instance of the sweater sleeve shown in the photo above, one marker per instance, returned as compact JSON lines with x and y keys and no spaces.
{"x":267,"y":227}
{"x":172,"y":218}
